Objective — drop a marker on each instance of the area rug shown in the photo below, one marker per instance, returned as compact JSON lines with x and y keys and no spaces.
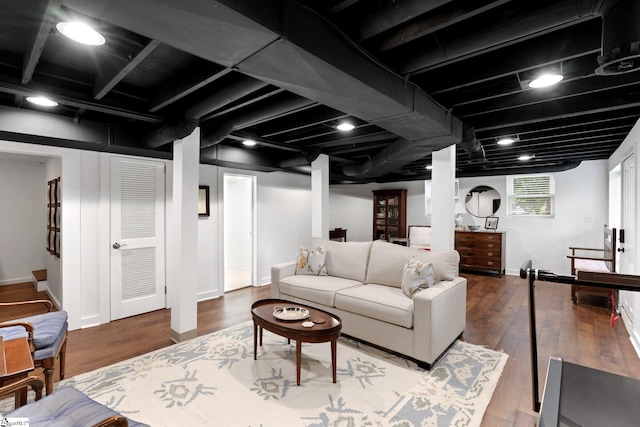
{"x":213,"y":380}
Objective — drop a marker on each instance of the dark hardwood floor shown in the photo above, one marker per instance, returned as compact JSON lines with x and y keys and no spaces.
{"x":497,"y":317}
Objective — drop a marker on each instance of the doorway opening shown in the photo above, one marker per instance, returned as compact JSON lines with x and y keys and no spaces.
{"x":239,"y":193}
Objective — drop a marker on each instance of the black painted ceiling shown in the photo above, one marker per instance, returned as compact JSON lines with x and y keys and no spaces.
{"x":413,"y":76}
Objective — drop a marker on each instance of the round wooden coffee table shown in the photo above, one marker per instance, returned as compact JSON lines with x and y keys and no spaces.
{"x":326,"y":327}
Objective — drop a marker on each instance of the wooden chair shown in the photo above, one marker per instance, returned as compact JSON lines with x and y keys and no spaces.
{"x":604,"y":263}
{"x":35,"y":383}
{"x":47,"y":335}
{"x":66,"y":406}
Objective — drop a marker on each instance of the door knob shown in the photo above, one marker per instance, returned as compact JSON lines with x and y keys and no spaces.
{"x":620,"y":249}
{"x":117,"y":245}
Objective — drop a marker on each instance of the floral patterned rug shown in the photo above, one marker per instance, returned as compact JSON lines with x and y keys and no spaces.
{"x":213,"y":380}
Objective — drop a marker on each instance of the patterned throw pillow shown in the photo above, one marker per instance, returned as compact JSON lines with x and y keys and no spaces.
{"x":416,"y":276}
{"x":312,"y":261}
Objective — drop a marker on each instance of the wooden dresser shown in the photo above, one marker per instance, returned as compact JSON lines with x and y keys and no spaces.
{"x":482,"y":250}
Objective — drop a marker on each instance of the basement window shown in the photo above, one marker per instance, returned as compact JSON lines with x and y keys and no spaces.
{"x":531,"y":195}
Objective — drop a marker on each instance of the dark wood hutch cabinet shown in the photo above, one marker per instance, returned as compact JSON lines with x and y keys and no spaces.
{"x":389,"y":214}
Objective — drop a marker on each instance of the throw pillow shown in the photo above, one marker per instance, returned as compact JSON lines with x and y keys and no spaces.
{"x":416,"y":276}
{"x":312,"y":261}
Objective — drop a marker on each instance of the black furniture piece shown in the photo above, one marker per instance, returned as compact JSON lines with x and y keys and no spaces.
{"x":575,"y":395}
{"x":339,"y":234}
{"x":607,"y":400}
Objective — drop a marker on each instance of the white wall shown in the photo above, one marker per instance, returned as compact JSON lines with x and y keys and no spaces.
{"x":351,"y":207}
{"x":70,"y":263}
{"x":209,"y":285}
{"x":82,"y":287}
{"x":53,"y":264}
{"x":284,"y":223}
{"x":23,"y":219}
{"x":579,"y":192}
{"x":284,"y":218}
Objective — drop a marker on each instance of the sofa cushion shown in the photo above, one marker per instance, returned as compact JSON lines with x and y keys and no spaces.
{"x":345,"y":259}
{"x":379,"y":302}
{"x":416,"y":276}
{"x":445,"y":263}
{"x":387,"y":261}
{"x":312,"y":261}
{"x":319,"y":289}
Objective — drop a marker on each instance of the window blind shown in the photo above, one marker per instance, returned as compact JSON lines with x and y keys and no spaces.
{"x":531,"y":195}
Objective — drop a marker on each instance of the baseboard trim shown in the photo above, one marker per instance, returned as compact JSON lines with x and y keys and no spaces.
{"x":204,"y":296}
{"x":15,"y":281}
{"x":178,"y":337}
{"x":635,"y":342}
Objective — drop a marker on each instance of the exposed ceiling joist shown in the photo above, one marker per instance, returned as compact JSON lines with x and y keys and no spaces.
{"x":411,"y":76}
{"x":48,"y":9}
{"x":428,"y":23}
{"x":109,"y":77}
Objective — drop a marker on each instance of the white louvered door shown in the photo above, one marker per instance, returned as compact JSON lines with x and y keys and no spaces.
{"x":137,"y":237}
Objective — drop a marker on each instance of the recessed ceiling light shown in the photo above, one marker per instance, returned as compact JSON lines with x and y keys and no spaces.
{"x":42,"y":101}
{"x":80,"y":32}
{"x":345,"y":126}
{"x":249,"y":142}
{"x":506,"y":141}
{"x":526,"y":157}
{"x":428,"y":167}
{"x":546,"y":80}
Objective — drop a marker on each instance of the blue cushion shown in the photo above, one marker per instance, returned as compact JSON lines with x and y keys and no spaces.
{"x":46,"y":352}
{"x":48,"y":328}
{"x":66,"y":407}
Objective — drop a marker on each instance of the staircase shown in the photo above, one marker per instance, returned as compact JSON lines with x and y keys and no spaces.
{"x":39,"y":279}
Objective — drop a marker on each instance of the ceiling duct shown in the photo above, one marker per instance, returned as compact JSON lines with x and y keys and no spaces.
{"x":170,"y":132}
{"x":301,"y":160}
{"x":390,"y":158}
{"x":471,"y":145}
{"x":285,"y":44}
{"x":191,"y":119}
{"x":215,"y":134}
{"x":620,"y":37}
{"x":402,"y":151}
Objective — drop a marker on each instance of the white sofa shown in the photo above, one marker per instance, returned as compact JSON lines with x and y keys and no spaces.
{"x":363,"y":287}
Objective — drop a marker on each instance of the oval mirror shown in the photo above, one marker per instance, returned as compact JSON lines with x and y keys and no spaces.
{"x":482,"y":201}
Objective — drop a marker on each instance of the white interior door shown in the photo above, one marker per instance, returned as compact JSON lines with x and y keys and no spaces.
{"x":137,"y":237}
{"x":239,"y":223}
{"x":626,"y":254}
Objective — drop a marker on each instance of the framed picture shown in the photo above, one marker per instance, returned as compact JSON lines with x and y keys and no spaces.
{"x":491,"y":223}
{"x":203,"y":200}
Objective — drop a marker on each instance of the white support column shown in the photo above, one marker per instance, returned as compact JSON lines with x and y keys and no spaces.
{"x":184,"y":229}
{"x":320,"y":197}
{"x":443,"y":177}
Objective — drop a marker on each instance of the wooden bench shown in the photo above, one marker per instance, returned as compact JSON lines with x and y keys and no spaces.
{"x":605,"y":263}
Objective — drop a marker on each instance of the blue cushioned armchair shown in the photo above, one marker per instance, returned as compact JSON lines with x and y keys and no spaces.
{"x":47,"y":335}
{"x":66,"y":407}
